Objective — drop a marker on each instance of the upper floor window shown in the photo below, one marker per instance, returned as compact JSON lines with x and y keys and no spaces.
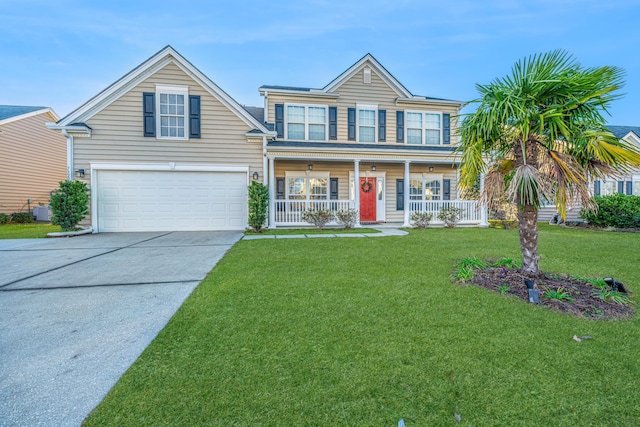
{"x":306,"y":122}
{"x":172,"y":106}
{"x":423,"y":128}
{"x":367,"y":123}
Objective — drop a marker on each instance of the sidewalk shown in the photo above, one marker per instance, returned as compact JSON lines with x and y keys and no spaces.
{"x":383,"y":233}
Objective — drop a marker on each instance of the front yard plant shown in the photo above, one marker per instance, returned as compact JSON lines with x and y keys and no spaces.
{"x":421,"y":219}
{"x":318,"y":217}
{"x":450,"y":215}
{"x":69,"y":204}
{"x":616,"y":210}
{"x":347,"y":218}
{"x":258,"y":204}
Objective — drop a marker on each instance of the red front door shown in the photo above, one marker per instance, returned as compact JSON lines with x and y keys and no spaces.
{"x":368,"y":199}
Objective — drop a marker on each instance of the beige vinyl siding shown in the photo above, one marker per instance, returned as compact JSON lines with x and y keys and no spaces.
{"x":117,"y":132}
{"x":34,"y":161}
{"x":354,"y":91}
{"x":394,"y":171}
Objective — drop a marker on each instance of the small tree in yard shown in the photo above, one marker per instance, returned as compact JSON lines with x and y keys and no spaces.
{"x":539,"y":136}
{"x":258,"y":203}
{"x":69,"y":204}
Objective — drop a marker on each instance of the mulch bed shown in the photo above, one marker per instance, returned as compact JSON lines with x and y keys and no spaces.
{"x":585,"y":304}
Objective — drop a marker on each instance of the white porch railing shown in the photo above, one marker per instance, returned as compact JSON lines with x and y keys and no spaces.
{"x":469,"y":214}
{"x":289,"y":212}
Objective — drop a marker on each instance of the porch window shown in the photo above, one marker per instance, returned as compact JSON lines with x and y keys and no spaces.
{"x":635,"y":189}
{"x":308,"y":187}
{"x":367,"y":123}
{"x":608,"y":188}
{"x":428,"y":188}
{"x":421,"y":124}
{"x":306,"y":122}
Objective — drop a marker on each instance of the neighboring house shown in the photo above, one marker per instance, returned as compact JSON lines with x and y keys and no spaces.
{"x":164,"y":148}
{"x":624,"y":184}
{"x":364,"y":142}
{"x":33,"y":157}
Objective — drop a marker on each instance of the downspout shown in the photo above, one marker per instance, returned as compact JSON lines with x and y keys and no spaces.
{"x":265,"y":177}
{"x":69,"y":154}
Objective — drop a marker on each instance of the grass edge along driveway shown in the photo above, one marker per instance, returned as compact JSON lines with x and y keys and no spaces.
{"x":364,"y":332}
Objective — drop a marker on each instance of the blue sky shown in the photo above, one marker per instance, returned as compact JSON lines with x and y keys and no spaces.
{"x":61,"y":53}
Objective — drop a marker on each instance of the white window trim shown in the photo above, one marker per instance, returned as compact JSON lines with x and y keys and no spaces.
{"x":373,"y":107}
{"x":427,"y":177}
{"x":306,"y":121}
{"x":423,"y":137}
{"x":172,"y":90}
{"x":306,"y":175}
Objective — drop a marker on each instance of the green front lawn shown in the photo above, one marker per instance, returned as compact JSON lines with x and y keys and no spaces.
{"x":27,"y":231}
{"x":364,"y":332}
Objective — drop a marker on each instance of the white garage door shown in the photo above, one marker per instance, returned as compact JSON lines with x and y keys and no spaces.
{"x":171,"y":201}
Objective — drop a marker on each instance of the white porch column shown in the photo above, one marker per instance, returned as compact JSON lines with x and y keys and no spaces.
{"x":356,"y":189}
{"x":407,"y":214}
{"x":272,"y":195}
{"x":484,"y":211}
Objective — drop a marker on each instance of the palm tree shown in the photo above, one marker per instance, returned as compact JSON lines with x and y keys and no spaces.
{"x":539,"y":136}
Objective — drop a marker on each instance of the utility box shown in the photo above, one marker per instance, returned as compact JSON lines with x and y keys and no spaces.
{"x":41,"y":213}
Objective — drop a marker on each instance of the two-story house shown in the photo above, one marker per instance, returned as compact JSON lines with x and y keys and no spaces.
{"x":165,"y":148}
{"x":364,"y":142}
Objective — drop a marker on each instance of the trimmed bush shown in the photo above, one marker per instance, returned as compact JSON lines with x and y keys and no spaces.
{"x":450,"y":215}
{"x":616,"y":210}
{"x":421,"y":219}
{"x":4,"y":219}
{"x":21,"y":218}
{"x":258,"y":204}
{"x":69,"y":204}
{"x":347,"y":218}
{"x":319,"y":217}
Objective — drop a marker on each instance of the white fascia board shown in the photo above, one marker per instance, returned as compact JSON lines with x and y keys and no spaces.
{"x":268,"y":134}
{"x":312,"y":93}
{"x":632,"y":138}
{"x":436,"y":154}
{"x":69,"y":128}
{"x":31,"y":114}
{"x":171,"y":166}
{"x":421,"y":100}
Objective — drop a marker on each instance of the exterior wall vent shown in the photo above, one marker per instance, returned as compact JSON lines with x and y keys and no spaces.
{"x":367,"y":75}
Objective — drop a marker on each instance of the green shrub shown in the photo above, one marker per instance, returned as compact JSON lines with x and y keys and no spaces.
{"x":347,"y":218}
{"x":258,"y":204}
{"x":616,"y":210}
{"x":21,"y":218}
{"x":421,"y":219}
{"x":450,"y":215}
{"x":69,"y":204}
{"x":4,"y":219}
{"x":319,"y":217}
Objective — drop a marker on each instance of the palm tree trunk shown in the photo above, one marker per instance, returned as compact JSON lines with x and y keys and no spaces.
{"x":528,"y":228}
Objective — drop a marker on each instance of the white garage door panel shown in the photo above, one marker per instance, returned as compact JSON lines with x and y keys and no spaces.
{"x":171,"y":201}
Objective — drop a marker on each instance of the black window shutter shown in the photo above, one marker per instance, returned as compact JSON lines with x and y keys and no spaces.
{"x":446,"y":128}
{"x":280,"y":120}
{"x":621,"y":187}
{"x":149,"y":113}
{"x":596,"y":188}
{"x":279,"y":188}
{"x":382,"y":125}
{"x":333,"y":123}
{"x":629,"y":187}
{"x":399,"y":126}
{"x":351,"y":120}
{"x":333,"y":188}
{"x":194,"y":116}
{"x":446,"y":189}
{"x":400,"y":194}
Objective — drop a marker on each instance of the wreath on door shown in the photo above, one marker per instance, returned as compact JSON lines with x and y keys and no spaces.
{"x":366,"y":186}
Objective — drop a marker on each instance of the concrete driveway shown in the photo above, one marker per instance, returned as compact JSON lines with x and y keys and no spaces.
{"x":75,"y":313}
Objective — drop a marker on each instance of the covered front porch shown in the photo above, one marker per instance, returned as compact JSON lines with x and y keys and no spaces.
{"x":388,"y":190}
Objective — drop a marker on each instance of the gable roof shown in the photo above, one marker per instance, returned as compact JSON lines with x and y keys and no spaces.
{"x":622,"y":131}
{"x":10,"y":113}
{"x":155,"y":63}
{"x":366,"y":61}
